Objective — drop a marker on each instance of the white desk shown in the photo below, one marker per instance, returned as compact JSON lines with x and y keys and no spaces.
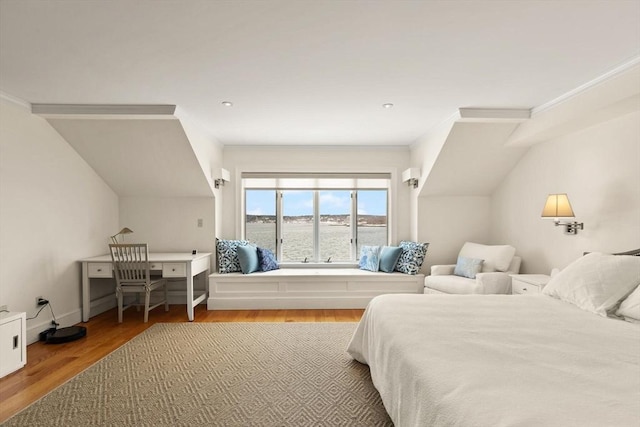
{"x":172,"y":265}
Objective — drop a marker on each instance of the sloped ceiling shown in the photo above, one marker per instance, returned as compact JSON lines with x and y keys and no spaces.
{"x":138,"y":157}
{"x":473,"y":160}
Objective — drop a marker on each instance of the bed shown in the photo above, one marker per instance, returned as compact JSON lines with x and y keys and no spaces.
{"x":502,"y":360}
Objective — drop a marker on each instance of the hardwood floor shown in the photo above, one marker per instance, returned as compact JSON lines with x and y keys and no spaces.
{"x":50,"y":365}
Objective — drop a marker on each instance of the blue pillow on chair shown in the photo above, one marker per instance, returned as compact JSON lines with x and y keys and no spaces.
{"x":389,"y":258}
{"x":468,"y":267}
{"x":248,"y":257}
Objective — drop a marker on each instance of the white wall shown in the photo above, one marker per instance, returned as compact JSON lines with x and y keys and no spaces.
{"x":446,"y":222}
{"x":54,"y":210}
{"x":316,"y":159}
{"x":599,"y":168}
{"x":170,"y":224}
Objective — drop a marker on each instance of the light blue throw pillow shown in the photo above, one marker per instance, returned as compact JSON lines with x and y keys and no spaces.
{"x":248,"y":257}
{"x":369,"y":258}
{"x":468,"y":267}
{"x":389,"y":258}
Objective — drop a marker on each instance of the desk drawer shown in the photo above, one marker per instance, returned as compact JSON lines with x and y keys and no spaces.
{"x":174,"y":269}
{"x":100,"y":269}
{"x":155,"y":266}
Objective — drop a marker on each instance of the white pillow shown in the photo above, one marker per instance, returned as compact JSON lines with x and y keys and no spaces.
{"x":630,"y":307}
{"x":496,"y":257}
{"x":596,"y":282}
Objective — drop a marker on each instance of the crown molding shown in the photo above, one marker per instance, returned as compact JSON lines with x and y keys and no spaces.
{"x":104,"y":111}
{"x":589,"y":85}
{"x":493,"y":115}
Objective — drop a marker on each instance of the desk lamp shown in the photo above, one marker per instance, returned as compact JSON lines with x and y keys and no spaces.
{"x":125,"y":230}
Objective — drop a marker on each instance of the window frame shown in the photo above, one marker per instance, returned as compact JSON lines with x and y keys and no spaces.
{"x":389,"y":174}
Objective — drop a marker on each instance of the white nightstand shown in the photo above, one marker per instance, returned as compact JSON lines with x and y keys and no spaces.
{"x":528,"y":283}
{"x":13,"y":348}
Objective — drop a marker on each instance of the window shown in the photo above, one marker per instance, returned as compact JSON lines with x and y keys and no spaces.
{"x":372,"y":218}
{"x":260,"y":218}
{"x":305,"y":218}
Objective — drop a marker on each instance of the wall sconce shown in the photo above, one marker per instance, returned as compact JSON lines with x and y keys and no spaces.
{"x":411,"y":177}
{"x":225,"y":176}
{"x":557,"y":206}
{"x":122,"y":232}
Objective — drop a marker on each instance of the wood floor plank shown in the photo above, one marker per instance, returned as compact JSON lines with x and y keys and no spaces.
{"x":51,"y":365}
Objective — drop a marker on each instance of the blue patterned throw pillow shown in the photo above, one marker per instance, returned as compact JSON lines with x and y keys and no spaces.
{"x":412,"y":257}
{"x":369,"y":258}
{"x":267,"y":260}
{"x":228,"y":261}
{"x":468,"y":267}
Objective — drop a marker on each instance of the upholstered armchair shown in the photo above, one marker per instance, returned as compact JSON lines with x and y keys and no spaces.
{"x":480,"y":269}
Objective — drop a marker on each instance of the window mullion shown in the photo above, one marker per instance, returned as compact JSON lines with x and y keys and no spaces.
{"x":279,"y":216}
{"x":316,"y":225}
{"x":353,"y":222}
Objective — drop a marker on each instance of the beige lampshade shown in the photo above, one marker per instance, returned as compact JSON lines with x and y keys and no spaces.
{"x":125,"y":230}
{"x":557,"y":206}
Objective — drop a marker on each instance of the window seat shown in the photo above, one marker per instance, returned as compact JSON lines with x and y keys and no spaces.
{"x":298,"y":288}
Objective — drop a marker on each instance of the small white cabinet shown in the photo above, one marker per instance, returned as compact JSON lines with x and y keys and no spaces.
{"x":13,"y":348}
{"x":522,"y":284}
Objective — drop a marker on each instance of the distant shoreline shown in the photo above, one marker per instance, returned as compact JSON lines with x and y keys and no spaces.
{"x":337,"y":220}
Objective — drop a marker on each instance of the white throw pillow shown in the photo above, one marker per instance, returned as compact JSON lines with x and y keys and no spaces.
{"x":630,"y":307}
{"x":496,"y":257}
{"x":596,"y":282}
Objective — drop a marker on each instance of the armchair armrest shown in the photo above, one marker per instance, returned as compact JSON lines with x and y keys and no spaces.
{"x":442,"y":270}
{"x":493,"y":283}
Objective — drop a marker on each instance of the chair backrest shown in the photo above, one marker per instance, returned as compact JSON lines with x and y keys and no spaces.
{"x":130,"y":262}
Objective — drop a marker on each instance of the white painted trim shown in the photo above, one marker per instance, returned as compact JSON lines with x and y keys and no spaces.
{"x":15,"y":100}
{"x":346,"y":302}
{"x":589,"y":85}
{"x":104,"y":111}
{"x":492,"y":115}
{"x":313,"y":288}
{"x":393,"y":189}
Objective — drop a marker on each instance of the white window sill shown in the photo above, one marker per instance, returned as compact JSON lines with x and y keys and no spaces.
{"x":318,"y":265}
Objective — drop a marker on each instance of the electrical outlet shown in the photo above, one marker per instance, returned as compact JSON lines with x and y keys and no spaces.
{"x":4,"y":308}
{"x":200,"y":222}
{"x":38,"y":298}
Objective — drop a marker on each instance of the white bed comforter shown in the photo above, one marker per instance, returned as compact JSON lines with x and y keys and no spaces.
{"x":499,"y":360}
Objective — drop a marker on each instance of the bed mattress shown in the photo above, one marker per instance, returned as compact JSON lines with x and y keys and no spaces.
{"x":499,"y":360}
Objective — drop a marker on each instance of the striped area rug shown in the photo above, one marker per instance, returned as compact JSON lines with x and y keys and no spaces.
{"x":219,"y":374}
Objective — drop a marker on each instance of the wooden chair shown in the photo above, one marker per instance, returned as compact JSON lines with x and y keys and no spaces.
{"x":131,"y":266}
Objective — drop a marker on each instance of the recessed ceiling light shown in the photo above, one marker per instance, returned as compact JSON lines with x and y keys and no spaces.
{"x":387,"y":105}
{"x":227,"y":103}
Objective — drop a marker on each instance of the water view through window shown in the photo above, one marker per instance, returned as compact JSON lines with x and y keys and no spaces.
{"x":330,"y":213}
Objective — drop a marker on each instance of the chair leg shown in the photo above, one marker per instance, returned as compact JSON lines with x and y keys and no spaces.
{"x":120,"y":304}
{"x":166,"y":296}
{"x":147,"y":299}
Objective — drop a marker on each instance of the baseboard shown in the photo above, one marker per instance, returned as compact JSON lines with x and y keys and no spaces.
{"x":97,"y":307}
{"x":256,"y":303}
